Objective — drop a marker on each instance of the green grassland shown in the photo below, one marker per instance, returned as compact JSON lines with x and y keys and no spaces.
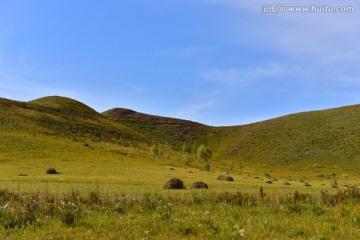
{"x":107,"y":156}
{"x":329,"y":139}
{"x":184,"y":215}
{"x":53,"y":127}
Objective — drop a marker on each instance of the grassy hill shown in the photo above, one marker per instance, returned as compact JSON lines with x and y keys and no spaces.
{"x":318,"y":141}
{"x":163,"y":129}
{"x":327,"y":138}
{"x":58,"y":127}
{"x":71,"y":118}
{"x":109,"y":186}
{"x":54,"y":127}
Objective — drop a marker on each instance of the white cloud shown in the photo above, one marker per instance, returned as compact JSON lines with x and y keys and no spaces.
{"x":26,"y":91}
{"x":251,"y":74}
{"x":186,"y":51}
{"x":224,"y":75}
{"x":193,"y":111}
{"x":136,"y":87}
{"x":23,"y":83}
{"x":244,"y":4}
{"x":322,"y":36}
{"x":326,"y":44}
{"x":347,"y":80}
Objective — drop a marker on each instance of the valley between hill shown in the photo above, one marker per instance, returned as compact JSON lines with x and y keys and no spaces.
{"x":292,"y":175}
{"x":54,"y":128}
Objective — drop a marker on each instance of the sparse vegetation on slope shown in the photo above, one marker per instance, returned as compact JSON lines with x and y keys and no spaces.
{"x":318,"y":139}
{"x":328,"y":138}
{"x":158,"y":129}
{"x":54,"y":127}
{"x":321,"y":142}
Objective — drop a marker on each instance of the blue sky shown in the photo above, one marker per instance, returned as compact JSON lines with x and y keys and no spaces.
{"x":219,"y":62}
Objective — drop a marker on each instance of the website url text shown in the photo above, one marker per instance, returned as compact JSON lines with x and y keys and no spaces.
{"x":282,"y":8}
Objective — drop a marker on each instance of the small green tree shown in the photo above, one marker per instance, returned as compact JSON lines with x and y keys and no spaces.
{"x":184,"y":148}
{"x":154,"y":150}
{"x":193,"y":149}
{"x":161,"y":149}
{"x":207,"y":167}
{"x":185,"y":153}
{"x":187,"y":159}
{"x":203,"y":153}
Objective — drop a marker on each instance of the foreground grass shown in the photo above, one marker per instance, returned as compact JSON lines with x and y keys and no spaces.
{"x":179,"y":215}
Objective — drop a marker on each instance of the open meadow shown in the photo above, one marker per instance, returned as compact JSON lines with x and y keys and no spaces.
{"x":120,"y":199}
{"x":179,"y":119}
{"x":288,"y":182}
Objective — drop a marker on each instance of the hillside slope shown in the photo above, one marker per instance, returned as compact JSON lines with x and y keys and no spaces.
{"x":321,"y":138}
{"x":62,"y":125}
{"x":163,"y":129}
{"x":44,"y":126}
{"x":328,"y":137}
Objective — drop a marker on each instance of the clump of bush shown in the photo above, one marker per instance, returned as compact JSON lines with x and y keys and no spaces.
{"x":238,"y":199}
{"x":70,"y":212}
{"x":349,"y":196}
{"x":207,"y":167}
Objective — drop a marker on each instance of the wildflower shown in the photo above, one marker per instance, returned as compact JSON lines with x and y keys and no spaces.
{"x":5,"y":206}
{"x":242,"y":232}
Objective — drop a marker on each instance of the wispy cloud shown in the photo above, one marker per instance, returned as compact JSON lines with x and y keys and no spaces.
{"x":326,"y":44}
{"x":186,"y":51}
{"x":136,"y":87}
{"x":321,"y":35}
{"x":250,"y":74}
{"x":236,"y":3}
{"x":193,"y":110}
{"x":24,"y":82}
{"x":25,"y":91}
{"x":349,"y":80}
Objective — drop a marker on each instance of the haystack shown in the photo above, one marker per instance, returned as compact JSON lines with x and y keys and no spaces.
{"x":199,"y":185}
{"x":52,"y":171}
{"x":225,"y":178}
{"x":174,"y":183}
